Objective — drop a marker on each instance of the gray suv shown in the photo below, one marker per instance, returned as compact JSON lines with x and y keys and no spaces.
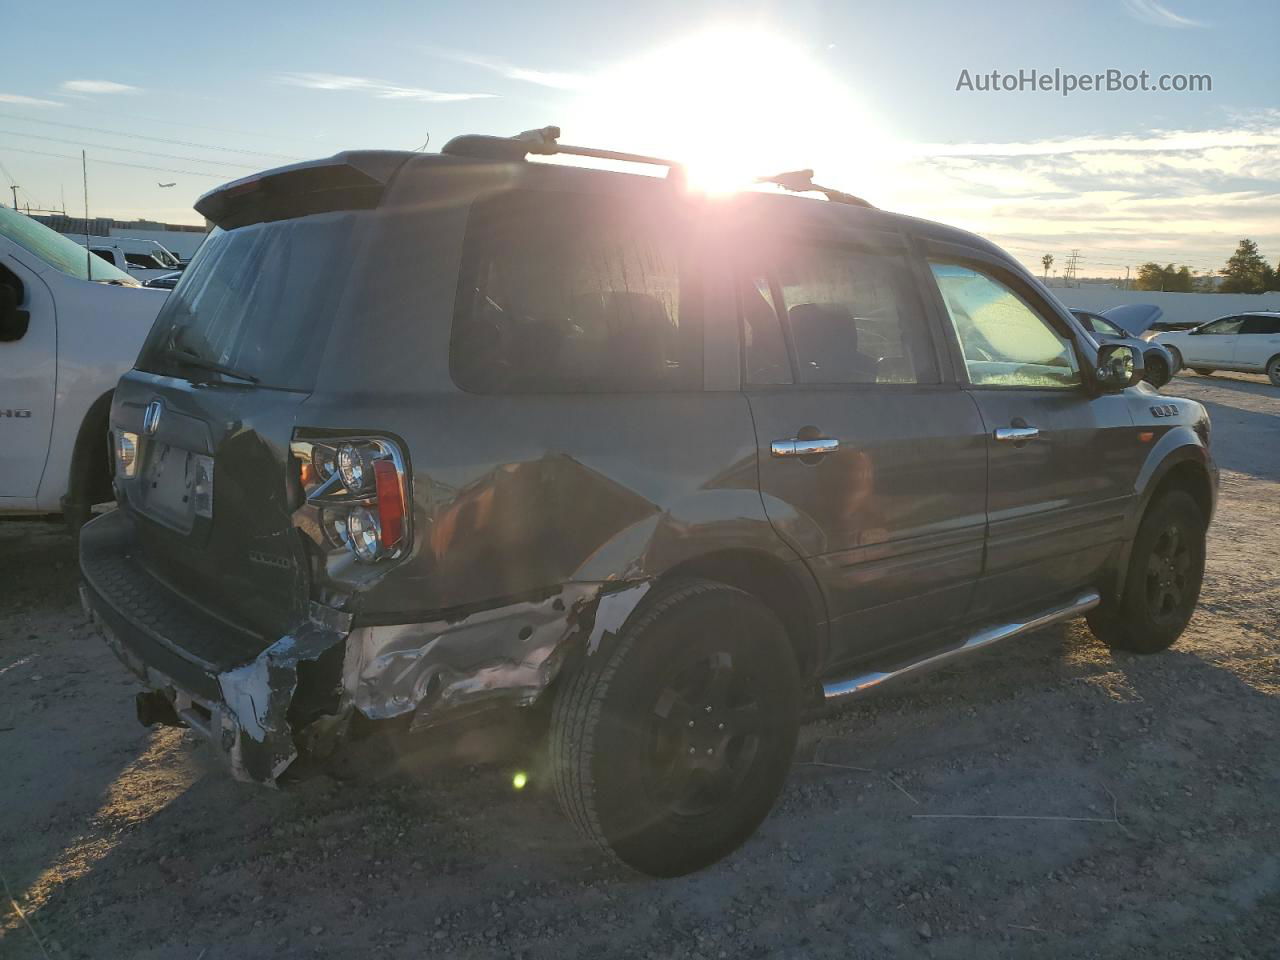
{"x":419,"y":436}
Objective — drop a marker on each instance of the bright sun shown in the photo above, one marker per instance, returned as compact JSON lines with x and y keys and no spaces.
{"x":734,"y":103}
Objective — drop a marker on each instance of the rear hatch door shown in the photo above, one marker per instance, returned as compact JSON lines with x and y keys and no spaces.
{"x":215,"y":395}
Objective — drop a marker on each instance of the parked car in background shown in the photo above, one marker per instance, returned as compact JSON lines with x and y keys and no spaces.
{"x":1246,"y":342}
{"x":69,"y":326}
{"x":141,"y":259}
{"x":424,"y":435}
{"x":165,"y":282}
{"x":1137,"y":318}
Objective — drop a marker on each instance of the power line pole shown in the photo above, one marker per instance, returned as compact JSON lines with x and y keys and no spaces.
{"x":88,"y":254}
{"x":14,"y":188}
{"x":1069,"y":273}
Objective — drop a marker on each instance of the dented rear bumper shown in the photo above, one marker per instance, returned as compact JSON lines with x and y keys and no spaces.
{"x":263,"y":703}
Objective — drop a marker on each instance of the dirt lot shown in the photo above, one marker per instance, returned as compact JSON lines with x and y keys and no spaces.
{"x":1163,"y":774}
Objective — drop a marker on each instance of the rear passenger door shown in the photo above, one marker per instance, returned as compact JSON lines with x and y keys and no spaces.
{"x":1257,"y":342}
{"x":871,"y":466}
{"x":1062,"y":461}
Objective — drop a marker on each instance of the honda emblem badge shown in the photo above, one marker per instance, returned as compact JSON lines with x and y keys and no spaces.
{"x":151,"y":419}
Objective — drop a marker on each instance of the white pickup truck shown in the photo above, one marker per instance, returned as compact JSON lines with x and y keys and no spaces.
{"x":141,"y":259}
{"x":70,"y":325}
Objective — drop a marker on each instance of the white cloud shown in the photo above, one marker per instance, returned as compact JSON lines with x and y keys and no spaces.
{"x":557,"y":80}
{"x":28,"y":101}
{"x":98,"y":86}
{"x":1158,"y":15}
{"x":1180,"y":195}
{"x":378,"y":88}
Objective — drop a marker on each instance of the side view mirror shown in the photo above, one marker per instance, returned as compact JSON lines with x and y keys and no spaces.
{"x":1119,"y":366}
{"x":13,"y":321}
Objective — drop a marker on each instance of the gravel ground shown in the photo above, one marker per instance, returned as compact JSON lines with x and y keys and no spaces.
{"x":1112,"y":804}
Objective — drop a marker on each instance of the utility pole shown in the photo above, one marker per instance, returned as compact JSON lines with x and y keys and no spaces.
{"x":88,"y":254}
{"x":1069,"y":274}
{"x":14,"y":188}
{"x":1126,"y":276}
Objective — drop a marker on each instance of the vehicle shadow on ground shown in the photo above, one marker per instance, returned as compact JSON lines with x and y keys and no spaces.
{"x":1055,"y":761}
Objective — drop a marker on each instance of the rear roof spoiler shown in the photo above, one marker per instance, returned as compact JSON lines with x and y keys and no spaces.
{"x":353,"y":180}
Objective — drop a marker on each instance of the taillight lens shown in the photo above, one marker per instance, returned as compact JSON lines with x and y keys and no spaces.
{"x":360,"y":487}
{"x":126,"y":453}
{"x":388,"y":487}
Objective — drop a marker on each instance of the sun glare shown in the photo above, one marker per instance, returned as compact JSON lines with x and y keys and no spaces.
{"x":734,"y":103}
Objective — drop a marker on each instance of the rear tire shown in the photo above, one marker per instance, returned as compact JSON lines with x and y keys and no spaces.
{"x":1156,"y":371}
{"x":1166,"y":568}
{"x":670,"y":744}
{"x":1273,"y":370}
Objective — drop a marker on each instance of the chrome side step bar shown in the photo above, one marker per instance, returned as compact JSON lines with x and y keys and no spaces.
{"x":983,"y":638}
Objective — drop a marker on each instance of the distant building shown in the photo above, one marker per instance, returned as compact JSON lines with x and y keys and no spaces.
{"x":183,"y":239}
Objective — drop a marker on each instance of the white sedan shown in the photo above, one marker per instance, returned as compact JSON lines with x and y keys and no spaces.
{"x":1248,"y":342}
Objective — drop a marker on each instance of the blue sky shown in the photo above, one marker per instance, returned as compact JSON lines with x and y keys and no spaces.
{"x":864,"y":92}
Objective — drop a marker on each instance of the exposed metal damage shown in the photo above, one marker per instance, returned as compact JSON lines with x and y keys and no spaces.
{"x":432,"y":671}
{"x":255,"y":730}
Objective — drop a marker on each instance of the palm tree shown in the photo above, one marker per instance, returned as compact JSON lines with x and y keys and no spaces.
{"x":1047,"y":260}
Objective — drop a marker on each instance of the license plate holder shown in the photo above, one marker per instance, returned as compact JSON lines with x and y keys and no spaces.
{"x":177,"y":486}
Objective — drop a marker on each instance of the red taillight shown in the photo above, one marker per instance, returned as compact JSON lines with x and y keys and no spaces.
{"x":390,"y":493}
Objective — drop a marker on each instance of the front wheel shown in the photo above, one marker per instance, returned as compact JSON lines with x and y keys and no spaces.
{"x":1166,"y":568}
{"x":1273,"y":371}
{"x":670,"y":745}
{"x":1175,"y":360}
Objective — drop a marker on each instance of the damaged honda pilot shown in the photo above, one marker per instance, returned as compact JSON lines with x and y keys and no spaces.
{"x":419,"y":436}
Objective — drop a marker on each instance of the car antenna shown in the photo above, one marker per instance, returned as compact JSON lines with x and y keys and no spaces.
{"x":801,"y":181}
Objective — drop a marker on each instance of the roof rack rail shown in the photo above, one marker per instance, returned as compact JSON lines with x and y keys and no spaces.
{"x":801,"y":181}
{"x":543,"y":142}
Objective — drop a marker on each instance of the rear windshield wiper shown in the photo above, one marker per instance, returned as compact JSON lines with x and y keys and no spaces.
{"x":188,"y":359}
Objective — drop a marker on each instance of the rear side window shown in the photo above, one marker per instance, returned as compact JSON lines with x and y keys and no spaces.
{"x":849,"y":316}
{"x":1269,"y":325}
{"x":564,"y":293}
{"x":259,"y":299}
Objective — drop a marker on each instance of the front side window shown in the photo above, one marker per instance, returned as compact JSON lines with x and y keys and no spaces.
{"x":1222,"y":328}
{"x":1106,"y":328}
{"x":853,"y":317}
{"x":1006,"y":343}
{"x":565,"y":293}
{"x":106,"y":255}
{"x":142,"y":260}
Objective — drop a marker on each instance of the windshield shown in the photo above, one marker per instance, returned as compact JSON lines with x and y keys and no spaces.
{"x":258,"y":299}
{"x":57,"y":251}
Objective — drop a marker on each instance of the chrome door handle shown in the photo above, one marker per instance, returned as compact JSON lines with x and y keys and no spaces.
{"x":804,"y":448}
{"x":1017,"y":434}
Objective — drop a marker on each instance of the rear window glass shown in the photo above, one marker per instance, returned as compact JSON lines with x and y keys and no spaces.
{"x":564,"y":293}
{"x":259,"y":299}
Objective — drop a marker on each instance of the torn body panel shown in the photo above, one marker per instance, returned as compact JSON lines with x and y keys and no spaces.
{"x":510,"y":653}
{"x":255,"y":729}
